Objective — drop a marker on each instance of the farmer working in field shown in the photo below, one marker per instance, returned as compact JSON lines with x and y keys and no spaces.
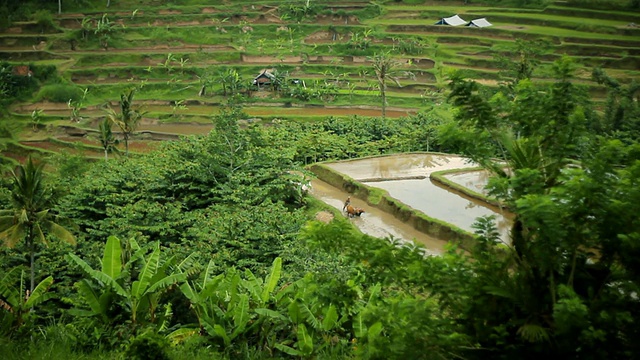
{"x":347,"y":203}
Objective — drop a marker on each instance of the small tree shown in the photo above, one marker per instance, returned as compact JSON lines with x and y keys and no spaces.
{"x":128,"y":118}
{"x":103,"y":30}
{"x":178,"y":105}
{"x":107,"y":140}
{"x":86,"y":27}
{"x":387,"y":68}
{"x":76,"y":105}
{"x":36,"y":118}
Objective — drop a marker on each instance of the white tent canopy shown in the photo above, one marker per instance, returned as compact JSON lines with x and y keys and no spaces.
{"x":454,"y":20}
{"x":482,"y":22}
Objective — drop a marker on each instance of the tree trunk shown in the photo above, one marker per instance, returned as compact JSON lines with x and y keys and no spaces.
{"x":108,"y":3}
{"x":32,"y":256}
{"x":59,"y":6}
{"x":126,"y":144}
{"x":106,"y":156}
{"x":517,"y":238}
{"x":383,"y":94}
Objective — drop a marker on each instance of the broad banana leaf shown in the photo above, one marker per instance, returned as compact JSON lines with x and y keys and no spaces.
{"x":305,"y":341}
{"x":294,"y":312}
{"x":374,"y":331}
{"x":253,"y":285}
{"x":90,"y":297}
{"x":308,"y":315}
{"x":330,"y":318}
{"x":112,"y":258}
{"x":240,"y":315}
{"x":272,"y":280}
{"x":359,"y":327}
{"x":182,"y":334}
{"x":165,"y":283}
{"x":100,"y":276}
{"x":208,"y":273}
{"x":148,"y":271}
{"x":272,"y":314}
{"x":39,"y":294}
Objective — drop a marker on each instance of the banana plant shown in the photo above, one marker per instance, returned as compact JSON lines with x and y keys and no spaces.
{"x":198,"y":294}
{"x":310,"y":326}
{"x":313,"y":323}
{"x":101,"y":289}
{"x":230,"y":306}
{"x":226,"y":305}
{"x":114,"y":284}
{"x":154,"y":278}
{"x":236,"y":309}
{"x":16,"y":304}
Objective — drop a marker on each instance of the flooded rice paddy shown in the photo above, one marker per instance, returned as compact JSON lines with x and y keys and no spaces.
{"x":406,"y":178}
{"x":375,"y":222}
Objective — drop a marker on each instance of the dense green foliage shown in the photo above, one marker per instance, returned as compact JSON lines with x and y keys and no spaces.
{"x":207,"y":246}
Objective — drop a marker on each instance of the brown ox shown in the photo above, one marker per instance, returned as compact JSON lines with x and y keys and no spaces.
{"x":353,"y":211}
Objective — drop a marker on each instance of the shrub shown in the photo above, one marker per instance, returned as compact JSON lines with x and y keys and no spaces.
{"x":13,"y":86}
{"x":44,"y":19}
{"x":148,"y":346}
{"x":45,"y":73}
{"x":59,"y":93}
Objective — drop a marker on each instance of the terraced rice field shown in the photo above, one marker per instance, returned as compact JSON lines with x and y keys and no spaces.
{"x":171,"y":52}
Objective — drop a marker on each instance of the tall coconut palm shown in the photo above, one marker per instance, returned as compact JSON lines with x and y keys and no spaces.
{"x":128,"y":118}
{"x":387,"y":68}
{"x":30,"y":216}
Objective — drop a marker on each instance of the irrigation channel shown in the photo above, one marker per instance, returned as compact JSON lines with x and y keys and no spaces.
{"x":406,"y":178}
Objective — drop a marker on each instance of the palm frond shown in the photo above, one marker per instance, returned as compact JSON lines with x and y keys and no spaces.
{"x":37,"y":229}
{"x":533,"y":333}
{"x":60,"y":232}
{"x":13,"y":235}
{"x":7,"y":221}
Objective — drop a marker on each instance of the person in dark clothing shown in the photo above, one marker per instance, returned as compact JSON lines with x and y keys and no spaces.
{"x":346,"y":203}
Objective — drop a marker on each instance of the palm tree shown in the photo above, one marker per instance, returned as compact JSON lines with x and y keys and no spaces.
{"x":107,"y":139}
{"x":128,"y":118}
{"x":30,"y":216}
{"x":387,"y":68}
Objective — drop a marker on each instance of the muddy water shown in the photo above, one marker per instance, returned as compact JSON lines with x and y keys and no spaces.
{"x":406,"y":178}
{"x":375,"y":222}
